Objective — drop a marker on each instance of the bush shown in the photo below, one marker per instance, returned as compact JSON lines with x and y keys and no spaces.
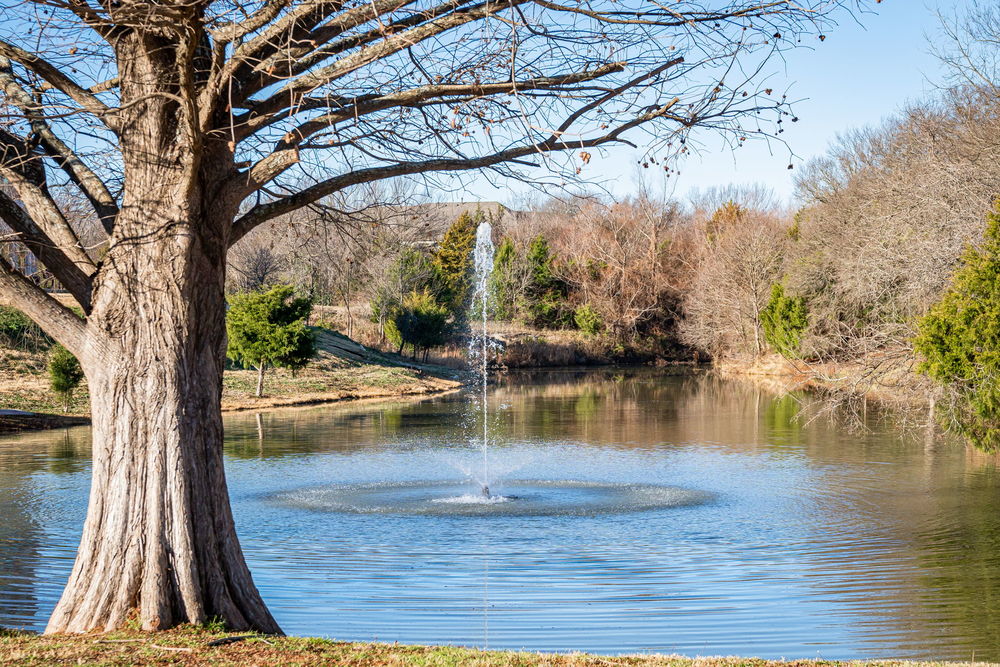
{"x":269,"y":329}
{"x":420,"y":321}
{"x":65,"y":373}
{"x":959,"y":340}
{"x":413,"y":271}
{"x":587,"y":320}
{"x":19,"y":332}
{"x":783,"y":320}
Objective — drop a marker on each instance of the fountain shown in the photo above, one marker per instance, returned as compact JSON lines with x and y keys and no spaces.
{"x":518,"y":497}
{"x":482,"y":267}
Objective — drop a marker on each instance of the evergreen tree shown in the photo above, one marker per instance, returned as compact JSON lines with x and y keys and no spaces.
{"x":587,"y":320}
{"x":453,"y":261}
{"x":65,"y":374}
{"x":503,"y":288}
{"x":545,"y":296}
{"x":784,"y":319}
{"x":269,"y":329}
{"x":959,"y":340}
{"x":728,"y":215}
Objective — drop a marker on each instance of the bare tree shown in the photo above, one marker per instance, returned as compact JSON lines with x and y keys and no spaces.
{"x":186,"y":125}
{"x":620,"y":265}
{"x":253,"y":264}
{"x":742,"y":260}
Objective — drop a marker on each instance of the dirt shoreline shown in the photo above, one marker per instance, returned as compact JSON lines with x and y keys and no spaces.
{"x":891,"y":383}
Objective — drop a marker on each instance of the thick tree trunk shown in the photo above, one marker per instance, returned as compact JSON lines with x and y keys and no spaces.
{"x":159,"y":540}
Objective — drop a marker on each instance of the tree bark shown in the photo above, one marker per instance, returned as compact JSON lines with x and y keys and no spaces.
{"x":260,"y":379}
{"x":159,"y":539}
{"x":159,"y":542}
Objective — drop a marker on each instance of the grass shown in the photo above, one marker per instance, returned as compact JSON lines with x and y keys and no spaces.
{"x":341,"y":370}
{"x":193,"y":645}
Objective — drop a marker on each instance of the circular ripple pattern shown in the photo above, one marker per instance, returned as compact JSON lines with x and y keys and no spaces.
{"x":514,"y":498}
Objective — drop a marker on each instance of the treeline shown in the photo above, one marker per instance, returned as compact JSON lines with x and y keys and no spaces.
{"x":873,"y":260}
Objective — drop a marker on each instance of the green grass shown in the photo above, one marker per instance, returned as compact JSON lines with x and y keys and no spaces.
{"x":191,"y":646}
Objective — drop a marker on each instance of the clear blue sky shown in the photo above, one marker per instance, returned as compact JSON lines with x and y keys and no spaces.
{"x":866,"y":69}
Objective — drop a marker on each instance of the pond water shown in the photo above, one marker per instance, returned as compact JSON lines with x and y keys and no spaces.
{"x":631,"y":511}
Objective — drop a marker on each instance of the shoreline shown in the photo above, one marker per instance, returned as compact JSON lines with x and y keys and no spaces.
{"x":191,"y":645}
{"x":39,"y":421}
{"x":895,"y":384}
{"x":900,"y":388}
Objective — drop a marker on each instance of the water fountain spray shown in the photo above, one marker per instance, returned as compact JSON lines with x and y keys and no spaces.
{"x":482,"y":264}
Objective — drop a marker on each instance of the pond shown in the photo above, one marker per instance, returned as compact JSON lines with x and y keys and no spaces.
{"x":631,"y":511}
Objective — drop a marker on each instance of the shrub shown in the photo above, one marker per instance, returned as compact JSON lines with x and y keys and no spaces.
{"x":413,"y":271}
{"x":65,"y":374}
{"x":959,"y":340}
{"x":269,"y":329}
{"x":587,"y":320}
{"x":420,"y":321}
{"x":783,"y":320}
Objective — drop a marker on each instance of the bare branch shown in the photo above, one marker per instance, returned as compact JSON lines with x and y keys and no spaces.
{"x":68,"y":273}
{"x":83,"y":176}
{"x":55,"y":319}
{"x":287,"y":154}
{"x":291,"y":93}
{"x":57,"y":79}
{"x":21,"y":169}
{"x":264,"y":212}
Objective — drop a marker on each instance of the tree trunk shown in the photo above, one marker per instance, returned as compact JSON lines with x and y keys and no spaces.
{"x":159,"y":539}
{"x":260,"y":379}
{"x":159,"y":543}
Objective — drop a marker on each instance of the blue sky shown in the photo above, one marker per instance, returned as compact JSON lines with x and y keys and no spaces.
{"x":867,"y":68}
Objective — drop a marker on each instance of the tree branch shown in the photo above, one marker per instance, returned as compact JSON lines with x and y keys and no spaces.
{"x":85,"y":179}
{"x":68,"y":273}
{"x":236,"y":30}
{"x":54,"y":318}
{"x":23,"y":171}
{"x":264,"y":212}
{"x":286,"y":153}
{"x":51,"y":74}
{"x":291,"y":93}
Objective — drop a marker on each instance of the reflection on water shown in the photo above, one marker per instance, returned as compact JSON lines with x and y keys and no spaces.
{"x":800,"y":537}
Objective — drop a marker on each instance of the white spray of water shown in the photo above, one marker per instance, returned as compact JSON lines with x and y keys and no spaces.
{"x":482,"y":264}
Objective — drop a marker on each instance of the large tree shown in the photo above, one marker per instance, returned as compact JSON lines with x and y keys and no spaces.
{"x":184,"y":124}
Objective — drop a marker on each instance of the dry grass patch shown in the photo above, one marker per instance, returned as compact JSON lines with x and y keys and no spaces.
{"x":198,"y":646}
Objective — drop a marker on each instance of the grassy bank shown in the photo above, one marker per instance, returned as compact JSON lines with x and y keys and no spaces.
{"x":196,"y":646}
{"x":341,"y":370}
